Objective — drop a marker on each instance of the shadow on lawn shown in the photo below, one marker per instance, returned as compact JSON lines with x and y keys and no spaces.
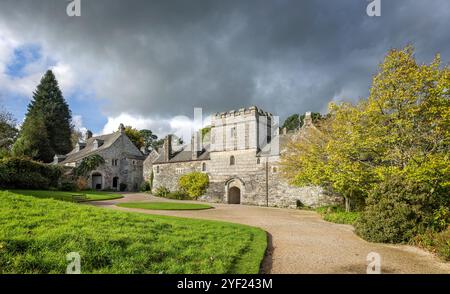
{"x":266,"y":264}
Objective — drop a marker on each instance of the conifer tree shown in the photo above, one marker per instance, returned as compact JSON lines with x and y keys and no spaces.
{"x":48,"y":103}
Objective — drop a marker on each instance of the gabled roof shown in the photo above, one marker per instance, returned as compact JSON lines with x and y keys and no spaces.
{"x":107,"y":140}
{"x":182,"y":155}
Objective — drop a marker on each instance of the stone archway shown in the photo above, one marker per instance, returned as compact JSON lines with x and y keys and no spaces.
{"x":97,"y":181}
{"x":234,"y":189}
{"x":234,"y":195}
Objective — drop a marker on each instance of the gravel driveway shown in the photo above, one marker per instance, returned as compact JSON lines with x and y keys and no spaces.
{"x":301,"y":242}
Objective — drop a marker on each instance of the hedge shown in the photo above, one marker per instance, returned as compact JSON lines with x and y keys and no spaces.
{"x":22,"y":173}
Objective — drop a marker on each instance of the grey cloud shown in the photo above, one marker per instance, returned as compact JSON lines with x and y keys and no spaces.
{"x":162,"y":58}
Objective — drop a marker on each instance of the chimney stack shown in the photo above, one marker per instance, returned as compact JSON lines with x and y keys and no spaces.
{"x":88,"y":134}
{"x":167,"y":147}
{"x":122,"y":129}
{"x":195,"y":145}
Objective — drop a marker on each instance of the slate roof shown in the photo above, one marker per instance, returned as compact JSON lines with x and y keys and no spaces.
{"x":108,"y":140}
{"x":182,"y":155}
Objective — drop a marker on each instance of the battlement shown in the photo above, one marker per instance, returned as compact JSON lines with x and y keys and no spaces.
{"x":243,"y":111}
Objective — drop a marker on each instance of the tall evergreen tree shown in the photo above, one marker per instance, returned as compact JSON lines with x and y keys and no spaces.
{"x":49,"y":104}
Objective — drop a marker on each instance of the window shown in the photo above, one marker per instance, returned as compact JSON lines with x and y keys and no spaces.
{"x":115,"y":162}
{"x":258,"y":161}
{"x":157,"y":169}
{"x":203,"y":166}
{"x":233,"y":132}
{"x":232,"y":160}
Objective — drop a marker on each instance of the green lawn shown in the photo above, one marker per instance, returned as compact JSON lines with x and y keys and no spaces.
{"x":67,"y":196}
{"x":165,"y":205}
{"x":37,"y":234}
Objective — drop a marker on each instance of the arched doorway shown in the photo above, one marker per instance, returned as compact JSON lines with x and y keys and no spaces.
{"x":115,"y":182}
{"x":97,"y":181}
{"x":234,"y":195}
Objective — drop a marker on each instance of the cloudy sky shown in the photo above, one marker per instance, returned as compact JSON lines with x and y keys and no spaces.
{"x":149,"y":63}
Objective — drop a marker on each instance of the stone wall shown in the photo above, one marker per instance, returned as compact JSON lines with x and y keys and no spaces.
{"x":249,"y":176}
{"x":167,"y":174}
{"x":129,"y":170}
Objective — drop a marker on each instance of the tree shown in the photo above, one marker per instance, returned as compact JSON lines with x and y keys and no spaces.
{"x":194,"y":184}
{"x":33,"y":141}
{"x":8,"y":130}
{"x":402,"y":129}
{"x":149,"y":138}
{"x":135,"y":136}
{"x":48,"y":103}
{"x":88,"y":164}
{"x":295,"y":121}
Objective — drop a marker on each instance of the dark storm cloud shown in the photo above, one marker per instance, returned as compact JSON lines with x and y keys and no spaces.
{"x":162,"y":58}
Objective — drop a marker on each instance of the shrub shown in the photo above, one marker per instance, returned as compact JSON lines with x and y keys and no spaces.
{"x":162,"y":191}
{"x":194,"y":184}
{"x":81,"y":183}
{"x":22,"y":173}
{"x":178,"y":195}
{"x":122,"y":187}
{"x":68,"y":186}
{"x":438,"y":243}
{"x":145,"y":186}
{"x":397,"y":210}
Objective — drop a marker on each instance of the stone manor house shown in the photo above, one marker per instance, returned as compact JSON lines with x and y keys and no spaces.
{"x":241,"y":156}
{"x":241,"y":159}
{"x":123,"y":161}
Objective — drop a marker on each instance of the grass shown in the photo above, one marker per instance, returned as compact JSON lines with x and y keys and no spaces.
{"x":37,"y":234}
{"x":338,"y":215}
{"x":165,"y":205}
{"x":438,"y":243}
{"x":67,"y":196}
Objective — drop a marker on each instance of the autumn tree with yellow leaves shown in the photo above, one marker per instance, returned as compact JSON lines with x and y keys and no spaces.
{"x":401,"y":131}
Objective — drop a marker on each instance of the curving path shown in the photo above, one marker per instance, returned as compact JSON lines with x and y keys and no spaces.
{"x":301,"y":242}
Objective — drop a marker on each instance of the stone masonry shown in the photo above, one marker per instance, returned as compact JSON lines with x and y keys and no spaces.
{"x":242,"y":162}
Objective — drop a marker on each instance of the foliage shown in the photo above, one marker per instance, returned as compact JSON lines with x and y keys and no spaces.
{"x":135,"y":136}
{"x":89,"y":164}
{"x":194,"y":184}
{"x":8,"y":130}
{"x":149,"y":138}
{"x":337,"y":214}
{"x":402,"y":129}
{"x":165,"y":205}
{"x":37,"y":234}
{"x":145,"y":186}
{"x":81,"y":183}
{"x":177,"y":195}
{"x":68,"y":186}
{"x":52,"y":113}
{"x":162,"y":191}
{"x":27,"y":174}
{"x":152,"y":176}
{"x":67,"y":195}
{"x":438,"y":243}
{"x":399,"y":209}
{"x":33,"y":141}
{"x":206,"y":131}
{"x":295,"y":121}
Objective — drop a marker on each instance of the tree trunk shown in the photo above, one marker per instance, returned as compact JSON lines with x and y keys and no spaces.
{"x":347,"y":204}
